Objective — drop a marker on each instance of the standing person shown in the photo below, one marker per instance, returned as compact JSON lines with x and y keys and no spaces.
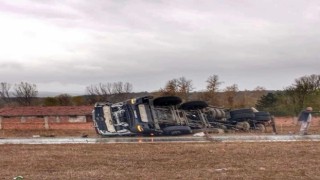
{"x":305,"y":118}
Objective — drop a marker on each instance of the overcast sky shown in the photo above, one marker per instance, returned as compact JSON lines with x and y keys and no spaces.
{"x":64,"y":46}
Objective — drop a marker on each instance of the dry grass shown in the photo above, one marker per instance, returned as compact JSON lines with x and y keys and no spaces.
{"x":294,"y":160}
{"x":47,"y":133}
{"x":217,"y":160}
{"x":294,"y":129}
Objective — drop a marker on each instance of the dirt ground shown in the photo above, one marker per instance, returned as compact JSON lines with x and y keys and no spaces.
{"x":218,"y":160}
{"x":214,"y":160}
{"x":47,"y":133}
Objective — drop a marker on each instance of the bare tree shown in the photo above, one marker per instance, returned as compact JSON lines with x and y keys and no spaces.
{"x":178,"y":87}
{"x":171,"y":88}
{"x":121,"y":91}
{"x":109,"y":88}
{"x":127,"y":87}
{"x":213,"y":84}
{"x":4,"y":91}
{"x":231,"y":92}
{"x":25,"y":93}
{"x":185,"y":87}
{"x":117,"y":87}
{"x":99,"y":92}
{"x":92,"y":96}
{"x":107,"y":92}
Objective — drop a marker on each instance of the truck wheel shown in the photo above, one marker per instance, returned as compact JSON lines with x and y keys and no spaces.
{"x":262,"y":116}
{"x":260,"y":128}
{"x":243,"y":116}
{"x":193,"y":105}
{"x":167,"y":101}
{"x":177,"y":130}
{"x":262,"y":113}
{"x":245,"y":126}
{"x":240,"y":111}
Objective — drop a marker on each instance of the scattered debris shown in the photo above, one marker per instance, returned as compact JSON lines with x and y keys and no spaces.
{"x":221,"y":169}
{"x":18,"y":178}
{"x":200,"y":134}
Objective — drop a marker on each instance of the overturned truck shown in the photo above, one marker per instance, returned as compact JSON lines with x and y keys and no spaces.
{"x":169,"y":116}
{"x":140,"y":116}
{"x":200,"y":115}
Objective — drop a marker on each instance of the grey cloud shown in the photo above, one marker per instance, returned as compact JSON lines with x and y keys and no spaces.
{"x":38,"y":10}
{"x":266,"y":43}
{"x":9,"y":66}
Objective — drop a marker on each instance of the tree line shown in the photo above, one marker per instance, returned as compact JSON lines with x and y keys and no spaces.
{"x":305,"y":91}
{"x":26,"y":94}
{"x":230,"y":97}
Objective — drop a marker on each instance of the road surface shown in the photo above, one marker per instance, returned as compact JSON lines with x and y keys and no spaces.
{"x":165,"y":139}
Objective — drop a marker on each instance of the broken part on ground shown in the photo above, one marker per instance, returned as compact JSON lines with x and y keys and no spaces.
{"x":169,"y":116}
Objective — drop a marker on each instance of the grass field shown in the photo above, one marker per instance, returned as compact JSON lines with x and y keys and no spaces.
{"x":216,"y":160}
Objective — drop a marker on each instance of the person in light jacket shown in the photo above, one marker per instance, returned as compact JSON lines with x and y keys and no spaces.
{"x":305,"y":119}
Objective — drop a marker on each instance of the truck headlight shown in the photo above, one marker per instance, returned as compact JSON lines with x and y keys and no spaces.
{"x":139,"y":128}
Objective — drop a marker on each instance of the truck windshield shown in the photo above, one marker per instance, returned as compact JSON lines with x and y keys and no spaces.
{"x":144,"y":112}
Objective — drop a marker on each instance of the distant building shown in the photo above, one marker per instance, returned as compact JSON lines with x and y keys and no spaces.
{"x":47,"y":117}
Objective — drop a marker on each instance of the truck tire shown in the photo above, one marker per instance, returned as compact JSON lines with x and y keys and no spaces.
{"x":176,"y":130}
{"x":261,"y":128}
{"x":167,"y":101}
{"x":193,"y":105}
{"x":262,"y":113}
{"x":240,"y":111}
{"x":245,"y":126}
{"x":242,"y":116}
{"x":262,"y":116}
